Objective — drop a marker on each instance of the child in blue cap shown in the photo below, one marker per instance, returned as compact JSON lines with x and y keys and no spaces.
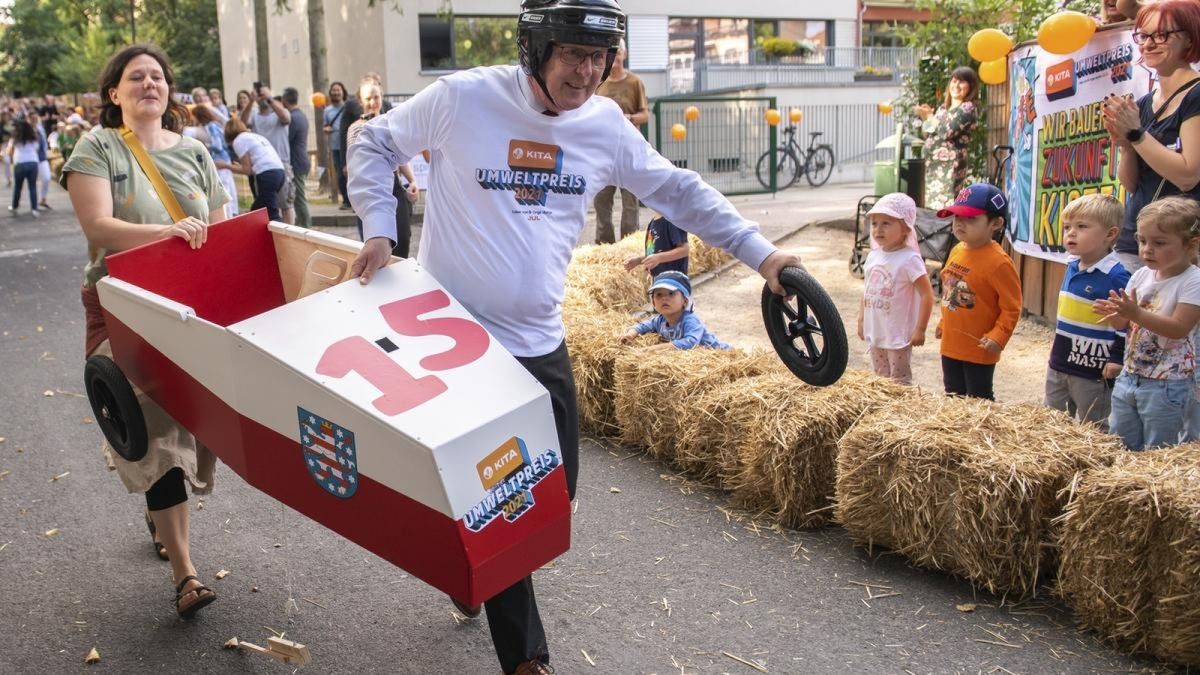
{"x":671,"y":294}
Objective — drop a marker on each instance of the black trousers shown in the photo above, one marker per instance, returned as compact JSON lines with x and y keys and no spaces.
{"x":513,"y":618}
{"x":404,"y":211}
{"x":963,"y":378}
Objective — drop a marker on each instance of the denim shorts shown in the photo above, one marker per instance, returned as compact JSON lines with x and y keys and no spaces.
{"x":1149,"y":413}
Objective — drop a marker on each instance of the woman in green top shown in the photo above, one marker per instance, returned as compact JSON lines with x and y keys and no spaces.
{"x":118,"y":209}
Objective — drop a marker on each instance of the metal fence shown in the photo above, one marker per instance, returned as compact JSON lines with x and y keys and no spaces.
{"x":831,"y":65}
{"x":723,"y":145}
{"x":731,"y":134}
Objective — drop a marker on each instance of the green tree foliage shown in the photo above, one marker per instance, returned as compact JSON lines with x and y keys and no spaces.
{"x":187,"y":31}
{"x":60,"y":46}
{"x":941,"y":44}
{"x":30,"y":47}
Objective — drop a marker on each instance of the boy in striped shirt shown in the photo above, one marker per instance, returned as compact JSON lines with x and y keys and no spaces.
{"x":1087,"y":352}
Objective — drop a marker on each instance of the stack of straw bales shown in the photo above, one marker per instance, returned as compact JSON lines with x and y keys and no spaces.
{"x":964,"y":485}
{"x":787,"y":446}
{"x":592,"y":341}
{"x":704,"y":258}
{"x":656,"y":390}
{"x":597,"y":273}
{"x":1130,"y":547}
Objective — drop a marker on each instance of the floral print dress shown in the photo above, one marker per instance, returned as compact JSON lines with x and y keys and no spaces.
{"x":947,"y":137}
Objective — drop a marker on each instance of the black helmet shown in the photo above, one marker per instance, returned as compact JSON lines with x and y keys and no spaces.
{"x":594,"y":23}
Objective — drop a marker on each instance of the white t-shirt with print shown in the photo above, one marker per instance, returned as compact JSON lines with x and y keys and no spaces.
{"x":1154,"y":356}
{"x":890,"y":302}
{"x":262,"y":155}
{"x":509,"y":189}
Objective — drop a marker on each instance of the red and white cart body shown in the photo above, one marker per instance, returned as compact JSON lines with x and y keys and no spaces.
{"x":384,"y":412}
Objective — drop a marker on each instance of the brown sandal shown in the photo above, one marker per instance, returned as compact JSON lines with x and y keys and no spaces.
{"x":159,"y":548}
{"x":204,"y":597}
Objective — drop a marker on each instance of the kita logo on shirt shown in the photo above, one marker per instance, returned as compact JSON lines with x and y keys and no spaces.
{"x":534,"y":171}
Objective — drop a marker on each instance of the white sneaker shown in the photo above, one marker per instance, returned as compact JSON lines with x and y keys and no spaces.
{"x":12,"y":210}
{"x":36,"y":214}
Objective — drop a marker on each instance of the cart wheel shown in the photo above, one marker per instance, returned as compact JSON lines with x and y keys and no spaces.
{"x":806,"y":330}
{"x":856,"y":262}
{"x":116,"y":408}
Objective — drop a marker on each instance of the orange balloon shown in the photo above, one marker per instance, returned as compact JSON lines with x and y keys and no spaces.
{"x":678,"y":132}
{"x":796,"y":115}
{"x":691,"y":114}
{"x":885,"y":108}
{"x":994,"y":72}
{"x":318,"y":99}
{"x":773,"y":117}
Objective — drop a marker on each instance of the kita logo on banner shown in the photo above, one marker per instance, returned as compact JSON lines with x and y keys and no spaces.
{"x":509,"y":474}
{"x":1060,"y":80}
{"x":328,"y":451}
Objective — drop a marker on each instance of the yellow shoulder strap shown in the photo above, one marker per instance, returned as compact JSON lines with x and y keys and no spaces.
{"x":160,"y":185}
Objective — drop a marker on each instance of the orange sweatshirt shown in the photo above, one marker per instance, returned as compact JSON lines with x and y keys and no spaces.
{"x":981,"y":297}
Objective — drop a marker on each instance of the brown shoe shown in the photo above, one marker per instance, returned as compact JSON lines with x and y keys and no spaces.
{"x":534,"y":667}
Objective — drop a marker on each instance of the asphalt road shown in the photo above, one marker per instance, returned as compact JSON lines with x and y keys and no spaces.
{"x":662,"y":576}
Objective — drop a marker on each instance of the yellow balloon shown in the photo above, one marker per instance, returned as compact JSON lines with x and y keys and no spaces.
{"x":885,"y":108}
{"x":994,"y":72}
{"x":678,"y":132}
{"x":989,"y":44}
{"x":1066,"y":32}
{"x":773,"y":117}
{"x":691,"y":114}
{"x":796,"y":115}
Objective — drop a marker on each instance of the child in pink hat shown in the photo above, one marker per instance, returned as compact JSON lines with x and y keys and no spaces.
{"x":897,"y":295}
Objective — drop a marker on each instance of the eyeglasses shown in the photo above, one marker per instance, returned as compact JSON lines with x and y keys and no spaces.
{"x":1158,"y":38}
{"x":574,"y":57}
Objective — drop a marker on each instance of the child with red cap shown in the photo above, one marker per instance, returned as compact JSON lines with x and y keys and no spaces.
{"x":981,"y":293}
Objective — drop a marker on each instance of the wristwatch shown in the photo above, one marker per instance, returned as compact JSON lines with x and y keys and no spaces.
{"x":1134,"y":135}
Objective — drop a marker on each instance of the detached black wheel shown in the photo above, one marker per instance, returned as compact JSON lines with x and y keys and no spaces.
{"x":116,"y":408}
{"x":857,"y":261}
{"x":806,"y":331}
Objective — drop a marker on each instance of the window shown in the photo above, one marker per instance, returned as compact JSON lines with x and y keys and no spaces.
{"x":882,"y":34}
{"x":727,"y":40}
{"x":817,"y":33}
{"x":467,"y":41}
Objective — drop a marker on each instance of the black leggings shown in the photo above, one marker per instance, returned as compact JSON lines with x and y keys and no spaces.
{"x":167,"y":491}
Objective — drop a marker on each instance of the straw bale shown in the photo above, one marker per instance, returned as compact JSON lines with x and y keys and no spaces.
{"x":789,"y":444}
{"x":592,"y":341}
{"x":966,"y":486}
{"x":598,"y":271}
{"x":656,"y":389}
{"x":704,"y":258}
{"x":1130,"y":553}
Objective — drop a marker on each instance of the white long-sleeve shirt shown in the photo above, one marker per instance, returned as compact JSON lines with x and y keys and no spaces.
{"x":509,"y":189}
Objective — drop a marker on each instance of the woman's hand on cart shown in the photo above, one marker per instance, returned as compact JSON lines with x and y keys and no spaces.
{"x":192,"y":230}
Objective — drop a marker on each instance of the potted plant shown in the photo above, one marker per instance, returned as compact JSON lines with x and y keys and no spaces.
{"x":873,"y":74}
{"x":775,"y":48}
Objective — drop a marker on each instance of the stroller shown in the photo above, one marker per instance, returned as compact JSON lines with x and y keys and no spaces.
{"x":934,"y":235}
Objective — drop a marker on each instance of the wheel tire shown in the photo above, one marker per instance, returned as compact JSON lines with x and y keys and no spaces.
{"x":820,"y":166}
{"x":819,"y":365}
{"x":116,"y":408}
{"x":857,"y":260}
{"x":787,"y":169}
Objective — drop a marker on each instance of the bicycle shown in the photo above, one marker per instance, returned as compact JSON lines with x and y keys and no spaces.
{"x":817,"y":166}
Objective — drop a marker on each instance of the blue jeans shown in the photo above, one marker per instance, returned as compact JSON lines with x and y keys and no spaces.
{"x":1149,"y":413}
{"x":267,"y":195}
{"x":25,"y":171}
